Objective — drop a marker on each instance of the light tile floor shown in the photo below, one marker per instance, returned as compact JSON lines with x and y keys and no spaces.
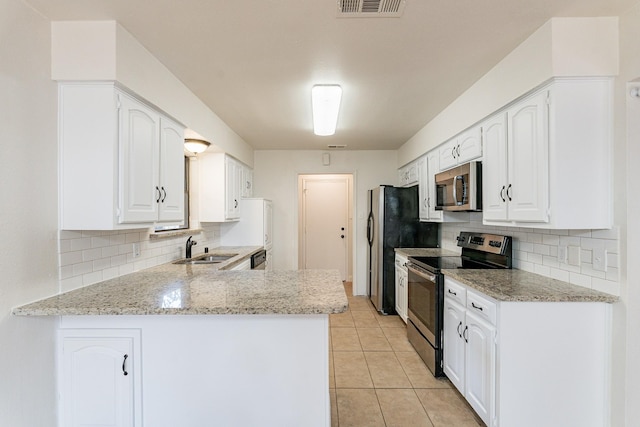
{"x":377,"y":378}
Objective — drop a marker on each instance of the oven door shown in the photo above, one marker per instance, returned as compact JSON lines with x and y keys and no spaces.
{"x":425,"y":303}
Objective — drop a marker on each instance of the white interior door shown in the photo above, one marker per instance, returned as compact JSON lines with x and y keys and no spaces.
{"x":325,"y":222}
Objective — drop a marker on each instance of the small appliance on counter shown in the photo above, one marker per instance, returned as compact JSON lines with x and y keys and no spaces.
{"x":426,"y":289}
{"x":393,"y":223}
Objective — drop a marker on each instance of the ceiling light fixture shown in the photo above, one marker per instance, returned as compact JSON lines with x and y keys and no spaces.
{"x":325,"y":101}
{"x":196,"y":146}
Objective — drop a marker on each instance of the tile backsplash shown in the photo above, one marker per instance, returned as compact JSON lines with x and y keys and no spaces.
{"x":536,"y":251}
{"x":87,"y":257}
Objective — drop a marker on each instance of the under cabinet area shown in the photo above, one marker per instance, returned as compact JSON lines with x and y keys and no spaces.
{"x":121,"y":160}
{"x":508,"y":357}
{"x":223,"y":181}
{"x":100,"y":381}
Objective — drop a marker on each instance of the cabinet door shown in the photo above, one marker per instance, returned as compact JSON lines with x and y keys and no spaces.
{"x":232,"y":199}
{"x":469,"y":145}
{"x":423,"y":185}
{"x":172,"y":177}
{"x":454,"y":345}
{"x":433,"y":165}
{"x":448,"y":155}
{"x":247,"y":182}
{"x":528,"y":186}
{"x":401,"y":292}
{"x":97,"y":382}
{"x":268,"y":224}
{"x":494,"y":168}
{"x":139,"y":160}
{"x":480,"y":366}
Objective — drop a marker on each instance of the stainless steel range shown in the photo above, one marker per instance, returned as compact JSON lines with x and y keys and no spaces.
{"x":426,"y":289}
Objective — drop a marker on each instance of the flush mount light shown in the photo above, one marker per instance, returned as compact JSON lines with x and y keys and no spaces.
{"x":196,"y":146}
{"x":325,"y":101}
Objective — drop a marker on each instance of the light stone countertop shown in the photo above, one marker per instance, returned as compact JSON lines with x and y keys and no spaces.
{"x":519,"y":285}
{"x":425,"y":252}
{"x":201,"y":289}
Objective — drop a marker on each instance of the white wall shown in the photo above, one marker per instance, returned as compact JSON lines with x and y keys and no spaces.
{"x":276,"y":178}
{"x":28,"y":216}
{"x":104,"y":50}
{"x":626,"y":386}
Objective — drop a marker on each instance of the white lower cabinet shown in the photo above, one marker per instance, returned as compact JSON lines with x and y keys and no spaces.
{"x":100,"y":378}
{"x":402,"y":291}
{"x":469,"y":349}
{"x":528,"y":364}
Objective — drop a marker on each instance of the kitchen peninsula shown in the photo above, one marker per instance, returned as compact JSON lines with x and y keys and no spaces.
{"x":191,"y":345}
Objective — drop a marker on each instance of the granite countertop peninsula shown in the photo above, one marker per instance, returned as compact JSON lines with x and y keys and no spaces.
{"x":426,"y":252}
{"x":201,"y":289}
{"x":519,"y":285}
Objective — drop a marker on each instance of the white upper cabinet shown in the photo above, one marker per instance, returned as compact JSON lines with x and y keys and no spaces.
{"x":247,"y":182}
{"x":221,"y":179}
{"x":515,"y":177}
{"x":547,"y":158}
{"x":408,"y":175}
{"x":461,"y":149}
{"x":172,"y":178}
{"x":121,"y":161}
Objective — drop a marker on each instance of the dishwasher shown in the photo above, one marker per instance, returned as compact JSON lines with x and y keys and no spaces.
{"x":259,"y":260}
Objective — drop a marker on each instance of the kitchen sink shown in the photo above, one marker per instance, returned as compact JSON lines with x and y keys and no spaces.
{"x":206,"y":259}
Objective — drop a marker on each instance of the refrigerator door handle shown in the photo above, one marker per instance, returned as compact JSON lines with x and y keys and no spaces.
{"x":370,"y":228}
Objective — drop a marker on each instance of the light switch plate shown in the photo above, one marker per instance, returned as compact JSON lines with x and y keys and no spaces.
{"x":600,"y":259}
{"x":573,"y":255}
{"x":136,"y":250}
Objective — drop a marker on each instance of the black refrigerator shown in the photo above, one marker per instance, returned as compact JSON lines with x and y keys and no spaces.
{"x":393,"y":223}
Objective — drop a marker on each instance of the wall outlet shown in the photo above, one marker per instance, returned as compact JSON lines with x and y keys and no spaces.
{"x":562,"y":254}
{"x":600,"y":259}
{"x":573,"y":255}
{"x":136,"y":250}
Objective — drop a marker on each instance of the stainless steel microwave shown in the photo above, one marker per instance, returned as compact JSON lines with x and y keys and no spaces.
{"x":460,"y":188}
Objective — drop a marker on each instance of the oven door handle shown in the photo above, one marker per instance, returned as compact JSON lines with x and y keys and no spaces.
{"x":422,"y":273}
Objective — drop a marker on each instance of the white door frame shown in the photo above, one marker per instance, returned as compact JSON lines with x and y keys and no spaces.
{"x":302,"y":178}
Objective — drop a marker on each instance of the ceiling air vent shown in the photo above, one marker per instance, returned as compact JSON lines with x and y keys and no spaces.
{"x":336,"y":146}
{"x":370,"y":8}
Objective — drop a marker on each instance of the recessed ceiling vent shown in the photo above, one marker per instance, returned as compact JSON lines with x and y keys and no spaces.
{"x":333,"y":146}
{"x":370,"y":8}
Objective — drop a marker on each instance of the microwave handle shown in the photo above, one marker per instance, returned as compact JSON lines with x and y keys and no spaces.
{"x":455,"y":189}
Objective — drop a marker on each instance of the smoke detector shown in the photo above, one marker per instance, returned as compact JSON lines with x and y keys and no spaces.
{"x":370,"y":8}
{"x":336,"y":146}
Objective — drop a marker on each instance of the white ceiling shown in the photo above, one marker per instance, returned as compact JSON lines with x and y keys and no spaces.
{"x":253,"y":62}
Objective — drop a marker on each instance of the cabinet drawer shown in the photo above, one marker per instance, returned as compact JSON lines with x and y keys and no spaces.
{"x":455,"y":292}
{"x":481,"y":306}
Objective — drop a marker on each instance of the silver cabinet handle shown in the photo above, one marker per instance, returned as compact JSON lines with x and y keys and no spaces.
{"x":453,"y":152}
{"x":464,"y":333}
{"x":458,"y":329}
{"x":458,"y":150}
{"x":164,"y":194}
{"x":502,"y":194}
{"x":159,"y":195}
{"x":509,"y":192}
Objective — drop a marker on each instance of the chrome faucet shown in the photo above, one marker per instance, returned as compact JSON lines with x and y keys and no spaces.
{"x":189,"y":244}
